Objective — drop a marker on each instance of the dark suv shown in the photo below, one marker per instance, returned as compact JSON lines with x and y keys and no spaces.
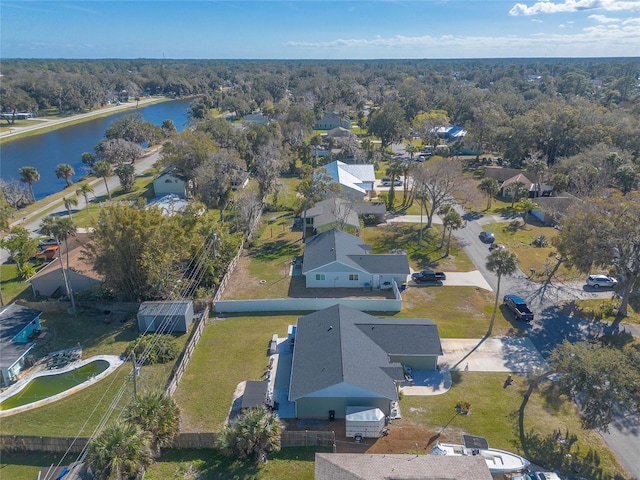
{"x":428,"y":276}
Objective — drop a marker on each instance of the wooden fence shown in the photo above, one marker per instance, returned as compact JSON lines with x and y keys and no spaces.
{"x":181,"y":365}
{"x":26,"y":443}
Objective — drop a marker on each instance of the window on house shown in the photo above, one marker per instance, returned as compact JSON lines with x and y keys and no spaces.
{"x":320,"y":276}
{"x":353,"y":276}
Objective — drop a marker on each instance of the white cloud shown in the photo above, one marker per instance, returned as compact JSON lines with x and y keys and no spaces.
{"x":561,"y":25}
{"x":547,"y":6}
{"x":604,"y":19}
{"x":598,"y":40}
{"x":537,"y":20}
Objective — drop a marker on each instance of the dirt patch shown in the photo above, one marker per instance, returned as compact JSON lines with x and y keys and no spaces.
{"x":402,"y":438}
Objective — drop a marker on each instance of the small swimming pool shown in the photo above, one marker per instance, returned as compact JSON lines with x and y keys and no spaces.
{"x":52,"y":386}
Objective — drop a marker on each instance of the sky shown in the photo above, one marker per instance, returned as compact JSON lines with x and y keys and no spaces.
{"x":306,"y":29}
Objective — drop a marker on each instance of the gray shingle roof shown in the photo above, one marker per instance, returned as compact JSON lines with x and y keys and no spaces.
{"x":342,"y":345}
{"x":338,"y":246}
{"x":333,"y":210}
{"x":352,"y":466}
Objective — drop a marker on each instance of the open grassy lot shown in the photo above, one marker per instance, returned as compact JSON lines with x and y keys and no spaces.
{"x":67,"y":417}
{"x":604,"y":309}
{"x":293,"y":463}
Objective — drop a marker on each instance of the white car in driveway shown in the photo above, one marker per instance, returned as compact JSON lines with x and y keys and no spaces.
{"x":597,"y":281}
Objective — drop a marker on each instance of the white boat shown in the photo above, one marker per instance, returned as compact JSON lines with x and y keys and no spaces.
{"x":498,"y":461}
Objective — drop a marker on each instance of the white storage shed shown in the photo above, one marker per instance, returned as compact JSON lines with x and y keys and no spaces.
{"x":364,"y":422}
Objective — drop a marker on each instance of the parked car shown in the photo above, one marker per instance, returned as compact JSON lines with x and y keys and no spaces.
{"x":487,"y":237}
{"x":519,"y":307}
{"x":494,"y":246}
{"x":536,"y":476}
{"x":597,"y":281}
{"x":386,"y":182}
{"x":425,"y":276}
{"x":48,"y":253}
{"x":47,"y":242}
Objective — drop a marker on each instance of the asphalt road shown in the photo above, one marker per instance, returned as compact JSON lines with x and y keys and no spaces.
{"x":33,"y":221}
{"x":551,"y":327}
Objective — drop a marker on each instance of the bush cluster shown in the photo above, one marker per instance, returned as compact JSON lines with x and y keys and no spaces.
{"x":154,"y":348}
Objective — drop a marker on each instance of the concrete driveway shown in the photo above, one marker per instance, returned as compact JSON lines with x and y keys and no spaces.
{"x":495,"y":354}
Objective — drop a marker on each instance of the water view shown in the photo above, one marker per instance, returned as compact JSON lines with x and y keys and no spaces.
{"x":66,"y":145}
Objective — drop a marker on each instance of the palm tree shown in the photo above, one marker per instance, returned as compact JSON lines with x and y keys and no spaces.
{"x":119,"y":452}
{"x":501,"y":262}
{"x":126,"y":174}
{"x":516,"y":190}
{"x":70,"y":202}
{"x":525,"y":205}
{"x":156,"y":414}
{"x":84,"y":190}
{"x":412,"y":150}
{"x":61,"y":229}
{"x":442,"y":211}
{"x":66,"y":171}
{"x":394,"y":170}
{"x":490,"y":187}
{"x":453,"y":221}
{"x":103,"y":170}
{"x":29,"y":175}
{"x":253,"y":434}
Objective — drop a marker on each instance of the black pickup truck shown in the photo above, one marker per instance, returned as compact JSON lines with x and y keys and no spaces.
{"x":425,"y":276}
{"x":519,"y":308}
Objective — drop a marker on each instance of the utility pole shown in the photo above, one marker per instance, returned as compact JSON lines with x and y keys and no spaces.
{"x":135,"y":373}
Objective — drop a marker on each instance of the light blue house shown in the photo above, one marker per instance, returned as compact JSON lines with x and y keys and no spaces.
{"x":18,"y":326}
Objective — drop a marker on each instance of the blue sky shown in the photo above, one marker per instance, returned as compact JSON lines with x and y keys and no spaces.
{"x":306,"y":29}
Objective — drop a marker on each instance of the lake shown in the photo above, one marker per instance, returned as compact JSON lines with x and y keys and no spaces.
{"x":66,"y":145}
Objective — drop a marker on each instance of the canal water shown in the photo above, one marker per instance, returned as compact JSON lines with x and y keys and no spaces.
{"x":66,"y":145}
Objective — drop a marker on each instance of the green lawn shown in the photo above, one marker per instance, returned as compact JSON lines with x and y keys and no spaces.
{"x":405,"y":236}
{"x":230,"y":351}
{"x":290,"y":463}
{"x":95,"y":337}
{"x":23,"y":466}
{"x":496,"y":414}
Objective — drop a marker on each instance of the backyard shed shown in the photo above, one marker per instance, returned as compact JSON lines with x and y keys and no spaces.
{"x":165,"y":317}
{"x":255,"y":394}
{"x":364,"y":422}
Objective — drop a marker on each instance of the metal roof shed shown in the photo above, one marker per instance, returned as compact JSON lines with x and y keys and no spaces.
{"x":165,"y":317}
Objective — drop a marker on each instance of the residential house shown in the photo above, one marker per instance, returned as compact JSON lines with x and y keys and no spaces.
{"x":356,"y":180}
{"x":343,"y":357}
{"x":336,"y":259}
{"x":171,"y":181}
{"x":333,"y":120}
{"x":356,"y":466}
{"x":340,"y":132}
{"x":451,"y":133}
{"x":49,"y":282}
{"x":339,"y":213}
{"x":551,"y":209}
{"x":508,"y":176}
{"x":18,"y":325}
{"x":165,"y":316}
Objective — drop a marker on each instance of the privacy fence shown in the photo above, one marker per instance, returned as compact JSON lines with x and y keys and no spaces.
{"x":26,"y":443}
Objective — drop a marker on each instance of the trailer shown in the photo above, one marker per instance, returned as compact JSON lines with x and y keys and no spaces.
{"x":364,"y":422}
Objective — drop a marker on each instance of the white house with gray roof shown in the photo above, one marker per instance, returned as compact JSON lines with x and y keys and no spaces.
{"x":343,"y":357}
{"x":336,"y":259}
{"x":356,"y":180}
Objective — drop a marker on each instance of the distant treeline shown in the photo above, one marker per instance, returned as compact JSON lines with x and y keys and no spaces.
{"x":79,"y":85}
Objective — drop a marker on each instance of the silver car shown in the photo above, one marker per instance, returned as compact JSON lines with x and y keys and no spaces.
{"x":597,"y":281}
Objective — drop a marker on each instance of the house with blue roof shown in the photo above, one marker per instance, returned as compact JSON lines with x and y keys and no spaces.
{"x":18,"y":325}
{"x":344,"y":357}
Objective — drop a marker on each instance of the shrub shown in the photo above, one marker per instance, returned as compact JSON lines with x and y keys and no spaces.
{"x":154,"y":348}
{"x":540,"y":241}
